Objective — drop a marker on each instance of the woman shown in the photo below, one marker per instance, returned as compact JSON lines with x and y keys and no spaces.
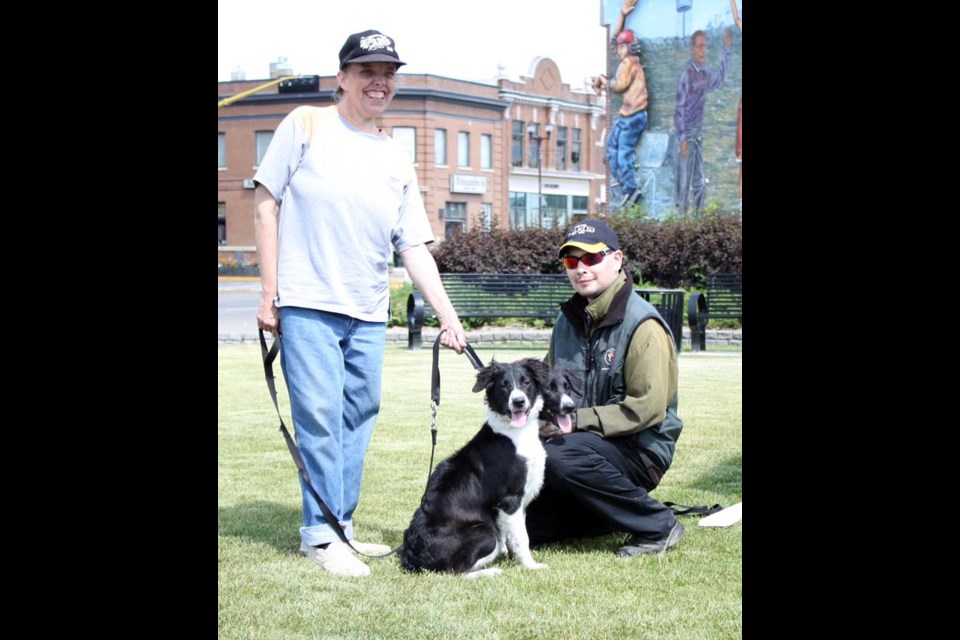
{"x":335,"y":197}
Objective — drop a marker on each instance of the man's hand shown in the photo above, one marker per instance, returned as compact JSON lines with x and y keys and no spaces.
{"x":549,"y":430}
{"x":628,"y":6}
{"x":728,"y":37}
{"x":598,"y":83}
{"x":684,"y":149}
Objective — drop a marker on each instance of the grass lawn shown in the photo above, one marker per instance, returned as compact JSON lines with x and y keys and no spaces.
{"x":267,"y":590}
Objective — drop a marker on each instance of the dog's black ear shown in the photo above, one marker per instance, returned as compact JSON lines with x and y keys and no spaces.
{"x":539,"y":369}
{"x":486,"y":376}
{"x":572,"y":379}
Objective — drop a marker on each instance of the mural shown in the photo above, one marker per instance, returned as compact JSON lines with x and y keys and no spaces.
{"x":674,"y":86}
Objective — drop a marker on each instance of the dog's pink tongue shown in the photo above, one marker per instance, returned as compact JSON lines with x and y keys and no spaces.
{"x":565,"y":423}
{"x":518,"y":418}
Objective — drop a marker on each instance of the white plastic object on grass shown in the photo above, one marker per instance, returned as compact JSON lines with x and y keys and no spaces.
{"x":724,"y":518}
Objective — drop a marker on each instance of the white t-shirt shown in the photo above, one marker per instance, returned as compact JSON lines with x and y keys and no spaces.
{"x":347,"y":200}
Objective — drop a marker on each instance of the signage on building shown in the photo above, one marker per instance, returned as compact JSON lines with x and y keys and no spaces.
{"x":460,"y":183}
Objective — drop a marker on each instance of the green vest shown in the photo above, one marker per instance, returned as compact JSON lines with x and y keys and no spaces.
{"x":608,"y":347}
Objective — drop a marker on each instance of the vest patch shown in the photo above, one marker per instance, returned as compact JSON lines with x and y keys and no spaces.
{"x":609,"y":355}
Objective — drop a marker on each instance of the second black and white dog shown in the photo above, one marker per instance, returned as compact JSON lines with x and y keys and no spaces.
{"x":474,"y":508}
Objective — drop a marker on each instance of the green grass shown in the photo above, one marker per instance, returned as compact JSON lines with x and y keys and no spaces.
{"x":267,"y":590}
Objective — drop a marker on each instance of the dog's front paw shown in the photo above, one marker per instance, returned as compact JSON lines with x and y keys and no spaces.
{"x":536,"y":566}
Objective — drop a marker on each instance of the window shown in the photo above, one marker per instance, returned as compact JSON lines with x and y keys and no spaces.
{"x":454,"y":218}
{"x":221,"y":223}
{"x":575,"y":151}
{"x":456,"y":211}
{"x":407,"y":137}
{"x":555,"y":211}
{"x":516,"y":149}
{"x":263,"y":141}
{"x":440,"y":147}
{"x":532,"y":155}
{"x":579,"y":204}
{"x":463,"y":149}
{"x":221,"y":151}
{"x":518,"y":210}
{"x":486,"y":216}
{"x":562,"y":148}
{"x":486,"y":151}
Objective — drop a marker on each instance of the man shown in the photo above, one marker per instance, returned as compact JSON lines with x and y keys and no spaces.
{"x":631,"y":84}
{"x":695,"y":81}
{"x":598,"y":477}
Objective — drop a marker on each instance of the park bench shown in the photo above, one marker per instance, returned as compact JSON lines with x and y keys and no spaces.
{"x":722,"y":298}
{"x":492,"y":295}
{"x":520,"y":295}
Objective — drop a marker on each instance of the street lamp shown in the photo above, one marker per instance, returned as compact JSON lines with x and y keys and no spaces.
{"x":532,"y":132}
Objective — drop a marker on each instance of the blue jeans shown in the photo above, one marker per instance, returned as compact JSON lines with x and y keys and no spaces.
{"x":689,"y":174}
{"x":622,"y":147}
{"x":333,"y":366}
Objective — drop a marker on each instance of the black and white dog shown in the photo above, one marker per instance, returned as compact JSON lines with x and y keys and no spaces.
{"x":558,"y":403}
{"x":474,"y":508}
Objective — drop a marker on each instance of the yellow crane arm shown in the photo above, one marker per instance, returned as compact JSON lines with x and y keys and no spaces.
{"x":250,"y":92}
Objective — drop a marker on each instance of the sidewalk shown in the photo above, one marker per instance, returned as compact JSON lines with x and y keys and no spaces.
{"x":493,"y":336}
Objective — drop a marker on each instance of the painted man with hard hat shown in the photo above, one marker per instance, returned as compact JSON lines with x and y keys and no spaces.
{"x":631,"y":84}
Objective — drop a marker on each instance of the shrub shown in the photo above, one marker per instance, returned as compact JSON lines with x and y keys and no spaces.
{"x":398,"y":303}
{"x":500,"y":251}
{"x":675,"y":253}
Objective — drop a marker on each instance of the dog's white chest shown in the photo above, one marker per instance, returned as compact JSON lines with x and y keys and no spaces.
{"x":532,"y":451}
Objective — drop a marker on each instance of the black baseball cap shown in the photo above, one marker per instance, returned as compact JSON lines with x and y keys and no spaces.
{"x":369,"y":46}
{"x":591,"y":236}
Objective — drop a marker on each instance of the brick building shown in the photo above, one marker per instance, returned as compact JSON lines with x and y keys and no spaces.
{"x":475,"y":159}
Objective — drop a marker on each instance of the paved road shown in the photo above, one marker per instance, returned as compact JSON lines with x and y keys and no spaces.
{"x":237,"y":301}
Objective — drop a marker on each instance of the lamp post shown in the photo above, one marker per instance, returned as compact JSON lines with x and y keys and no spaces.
{"x":532,"y":132}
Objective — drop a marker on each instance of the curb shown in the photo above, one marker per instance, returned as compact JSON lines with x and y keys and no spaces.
{"x":397,"y":336}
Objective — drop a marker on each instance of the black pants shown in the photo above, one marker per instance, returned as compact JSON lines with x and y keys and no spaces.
{"x":595,"y":486}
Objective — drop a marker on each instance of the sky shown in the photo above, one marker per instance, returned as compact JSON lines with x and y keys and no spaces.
{"x":660,"y":18}
{"x":463,"y":40}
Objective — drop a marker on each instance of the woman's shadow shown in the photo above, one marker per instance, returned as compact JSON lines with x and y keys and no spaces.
{"x":276,"y":525}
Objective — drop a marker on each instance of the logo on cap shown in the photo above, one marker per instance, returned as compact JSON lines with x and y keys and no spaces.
{"x":376,"y":42}
{"x":580,"y":228}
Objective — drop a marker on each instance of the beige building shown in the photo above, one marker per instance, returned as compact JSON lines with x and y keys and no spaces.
{"x":474,"y":146}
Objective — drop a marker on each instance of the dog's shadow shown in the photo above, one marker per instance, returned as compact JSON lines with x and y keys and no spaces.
{"x":277,"y":525}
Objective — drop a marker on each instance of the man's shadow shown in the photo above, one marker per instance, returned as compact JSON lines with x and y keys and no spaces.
{"x":726,"y":477}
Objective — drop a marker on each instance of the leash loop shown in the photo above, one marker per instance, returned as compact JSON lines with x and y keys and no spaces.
{"x":435,"y":391}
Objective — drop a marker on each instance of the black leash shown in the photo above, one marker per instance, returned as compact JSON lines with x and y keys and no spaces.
{"x":435,"y":392}
{"x":682,"y":509}
{"x":269,"y":355}
{"x":678,"y":509}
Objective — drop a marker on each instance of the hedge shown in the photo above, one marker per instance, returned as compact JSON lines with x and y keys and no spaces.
{"x":671,"y":254}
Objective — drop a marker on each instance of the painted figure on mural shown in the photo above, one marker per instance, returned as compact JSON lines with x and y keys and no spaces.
{"x":631,"y":84}
{"x":695,"y":81}
{"x":737,"y":21}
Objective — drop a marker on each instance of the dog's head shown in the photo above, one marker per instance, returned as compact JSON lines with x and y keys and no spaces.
{"x":514,"y":390}
{"x":558,"y":403}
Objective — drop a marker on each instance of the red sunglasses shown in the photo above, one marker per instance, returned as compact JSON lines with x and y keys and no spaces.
{"x":588,"y":259}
